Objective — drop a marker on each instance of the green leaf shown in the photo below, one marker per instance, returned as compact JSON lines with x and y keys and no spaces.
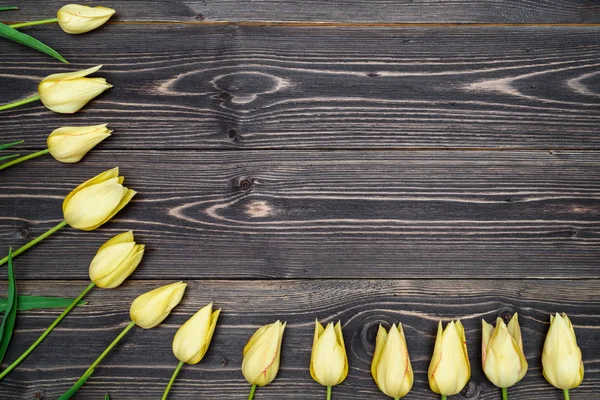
{"x":10,"y":316}
{"x":12,"y":34}
{"x":69,"y":393}
{"x":7,"y":145}
{"x":106,"y":397}
{"x":8,"y":8}
{"x":9,"y":156}
{"x":26,"y":303}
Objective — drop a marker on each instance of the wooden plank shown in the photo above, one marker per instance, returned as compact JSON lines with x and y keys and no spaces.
{"x":339,"y":11}
{"x":199,"y":87}
{"x":313,"y":214}
{"x":141,"y":366}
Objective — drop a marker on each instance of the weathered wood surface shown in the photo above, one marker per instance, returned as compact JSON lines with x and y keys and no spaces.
{"x":141,"y":366}
{"x":240,"y":87}
{"x":339,"y":11}
{"x":312,"y":214}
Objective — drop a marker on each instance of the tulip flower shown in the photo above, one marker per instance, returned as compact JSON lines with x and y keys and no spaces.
{"x":68,"y":144}
{"x":147,"y":311}
{"x":89,"y":205}
{"x":449,"y":370}
{"x":262,"y":354}
{"x":328,"y":361}
{"x":562,"y":363}
{"x":76,"y":19}
{"x":66,"y":93}
{"x":502,"y":355}
{"x":114,"y":262}
{"x":391,"y":368}
{"x":192,"y":340}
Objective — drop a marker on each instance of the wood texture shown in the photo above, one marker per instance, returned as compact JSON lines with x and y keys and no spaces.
{"x":240,"y":87}
{"x":141,"y":366}
{"x":340,"y":11}
{"x":312,"y":214}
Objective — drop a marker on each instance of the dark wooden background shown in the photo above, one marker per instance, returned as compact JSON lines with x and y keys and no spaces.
{"x":371,"y":162}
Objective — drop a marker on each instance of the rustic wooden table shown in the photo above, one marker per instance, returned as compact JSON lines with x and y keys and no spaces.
{"x":371,"y":162}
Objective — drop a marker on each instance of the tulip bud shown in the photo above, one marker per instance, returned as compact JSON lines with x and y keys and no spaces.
{"x":76,"y":19}
{"x":262,"y":354}
{"x":151,"y":308}
{"x":116,"y":260}
{"x":449,"y":370}
{"x":70,"y":143}
{"x":66,"y":93}
{"x":391,"y":368}
{"x":193,"y":337}
{"x":562,"y":363}
{"x":96,"y":201}
{"x":502,"y":355}
{"x":328,"y":361}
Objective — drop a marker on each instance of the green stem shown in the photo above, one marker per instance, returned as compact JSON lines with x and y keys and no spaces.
{"x":47,"y":331}
{"x":504,"y":394}
{"x":328,"y":392}
{"x":566,"y":392}
{"x":252,"y":390}
{"x":35,"y":241}
{"x":175,"y":373}
{"x":32,"y":23}
{"x":396,"y":398}
{"x":443,"y":397}
{"x":24,"y":158}
{"x":20,"y":102}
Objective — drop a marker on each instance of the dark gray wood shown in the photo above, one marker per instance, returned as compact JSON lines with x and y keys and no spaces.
{"x":141,"y":366}
{"x":312,"y":214}
{"x":240,"y":87}
{"x":339,"y":11}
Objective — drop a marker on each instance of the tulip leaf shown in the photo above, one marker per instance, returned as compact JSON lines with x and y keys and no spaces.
{"x":7,"y":145}
{"x":8,"y":8}
{"x":9,"y":156}
{"x":10,"y":316}
{"x":106,"y":397}
{"x":26,"y":303}
{"x":69,"y":393}
{"x":12,"y":34}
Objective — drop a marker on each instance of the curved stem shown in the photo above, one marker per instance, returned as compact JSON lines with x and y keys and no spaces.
{"x":252,"y":390}
{"x":24,"y":158}
{"x":32,"y":23}
{"x":566,"y":392}
{"x":504,"y":394}
{"x":20,"y":102}
{"x":175,"y":373}
{"x":110,"y":347}
{"x":47,"y":331}
{"x":328,"y":392}
{"x":35,"y":241}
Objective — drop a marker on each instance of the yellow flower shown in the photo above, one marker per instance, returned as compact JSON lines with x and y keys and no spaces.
{"x":96,"y":201}
{"x":75,"y":19}
{"x":66,"y":93}
{"x":328,"y":361}
{"x":193,"y":337}
{"x":391,"y":368}
{"x":562,"y":363}
{"x":262,"y":354}
{"x":502,"y":355}
{"x":449,"y":370}
{"x":70,"y":143}
{"x":116,"y":260}
{"x":151,"y":308}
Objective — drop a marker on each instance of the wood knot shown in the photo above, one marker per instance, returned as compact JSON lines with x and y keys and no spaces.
{"x":245,"y":184}
{"x":368,"y":334}
{"x":506,"y":313}
{"x":244,"y":87}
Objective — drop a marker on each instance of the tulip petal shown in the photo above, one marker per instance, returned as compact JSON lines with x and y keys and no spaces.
{"x":104,"y":176}
{"x":379,"y":345}
{"x":486,"y":334}
{"x":515,"y":330}
{"x":72,"y":75}
{"x":328,"y":360}
{"x":127,"y":196}
{"x":151,"y":308}
{"x":261,"y":361}
{"x":94,"y":205}
{"x":193,"y":337}
{"x":561,"y":357}
{"x":125,"y":237}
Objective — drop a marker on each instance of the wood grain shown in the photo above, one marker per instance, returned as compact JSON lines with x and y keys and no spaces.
{"x":141,"y":365}
{"x":312,"y":214}
{"x":343,"y":11}
{"x":241,"y":87}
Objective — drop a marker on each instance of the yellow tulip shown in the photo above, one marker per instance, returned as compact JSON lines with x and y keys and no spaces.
{"x":391,"y":368}
{"x":76,"y":19}
{"x":70,"y":143}
{"x":502,"y":355}
{"x":193,"y":337}
{"x":116,"y":260}
{"x":96,"y":201}
{"x":562,"y":362}
{"x":262,"y":354}
{"x":151,"y":308}
{"x":449,"y":370}
{"x":67,"y":93}
{"x":328,"y":362}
